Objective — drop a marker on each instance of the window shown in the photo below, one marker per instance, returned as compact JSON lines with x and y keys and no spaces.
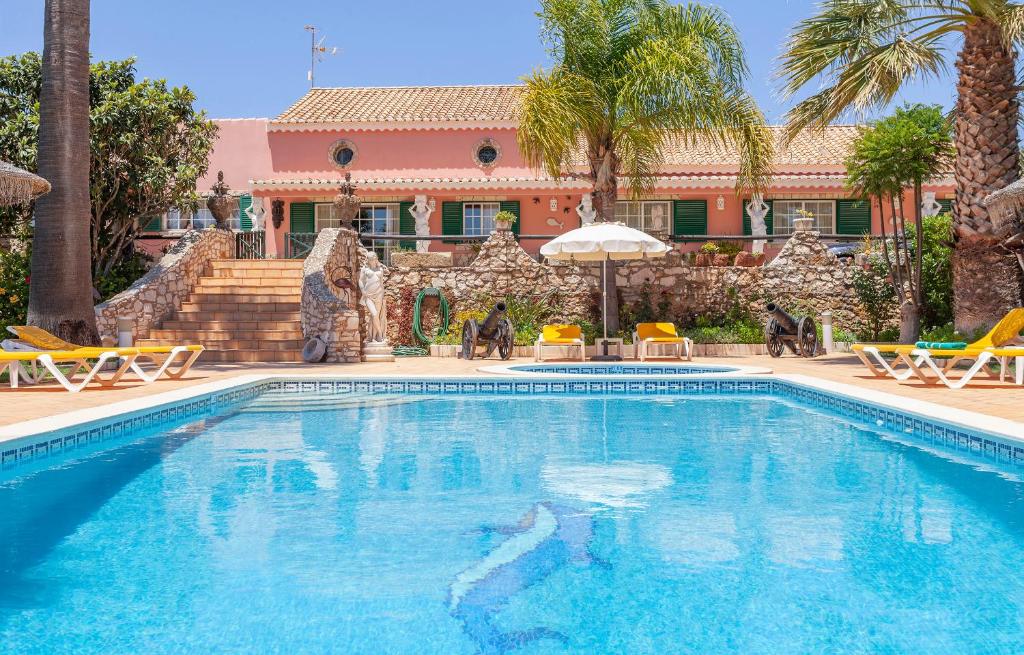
{"x":177,"y":220}
{"x":381,"y":218}
{"x":342,"y":153}
{"x":343,"y":156}
{"x":786,"y":211}
{"x":653,"y":217}
{"x":478,"y":218}
{"x":486,"y":153}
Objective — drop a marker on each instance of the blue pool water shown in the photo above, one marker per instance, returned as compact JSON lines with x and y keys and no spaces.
{"x":696,"y":524}
{"x":622,"y":369}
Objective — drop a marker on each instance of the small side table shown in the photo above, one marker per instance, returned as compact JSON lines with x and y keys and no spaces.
{"x":613,"y":342}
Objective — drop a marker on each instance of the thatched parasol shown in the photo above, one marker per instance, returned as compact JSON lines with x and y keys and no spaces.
{"x":1005,"y":203}
{"x":18,"y":186}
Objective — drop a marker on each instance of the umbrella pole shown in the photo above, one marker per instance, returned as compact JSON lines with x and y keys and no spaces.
{"x":604,"y":356}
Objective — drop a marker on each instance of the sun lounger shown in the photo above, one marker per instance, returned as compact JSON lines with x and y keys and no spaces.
{"x":647,"y":335}
{"x":78,"y":361}
{"x":163,"y":357}
{"x":1005,"y":333}
{"x":919,"y":361}
{"x":563,"y":336}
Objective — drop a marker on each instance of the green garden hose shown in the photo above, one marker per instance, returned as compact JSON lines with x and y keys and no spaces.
{"x":442,"y":314}
{"x":409,"y":351}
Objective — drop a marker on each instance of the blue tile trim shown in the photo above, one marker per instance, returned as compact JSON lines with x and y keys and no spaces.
{"x":958,"y":438}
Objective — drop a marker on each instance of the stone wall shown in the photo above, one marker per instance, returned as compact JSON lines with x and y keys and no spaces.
{"x":330,"y":294}
{"x":162,"y":290}
{"x":804,"y":279}
{"x":501,"y":268}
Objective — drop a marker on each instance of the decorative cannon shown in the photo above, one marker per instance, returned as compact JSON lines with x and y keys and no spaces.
{"x":495,"y":331}
{"x":783,"y":330}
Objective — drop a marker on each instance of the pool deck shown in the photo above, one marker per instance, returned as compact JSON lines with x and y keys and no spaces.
{"x":1001,"y":400}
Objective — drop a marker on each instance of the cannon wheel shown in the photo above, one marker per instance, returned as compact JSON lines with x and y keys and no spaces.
{"x":775,"y":344}
{"x":807,"y":337}
{"x":506,"y":338}
{"x":470,"y":335}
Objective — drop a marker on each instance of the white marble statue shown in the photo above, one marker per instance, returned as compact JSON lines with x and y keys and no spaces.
{"x":371,"y":286}
{"x":929,"y":205}
{"x":255,"y":212}
{"x":758,"y":209}
{"x":586,"y":210}
{"x":421,"y":211}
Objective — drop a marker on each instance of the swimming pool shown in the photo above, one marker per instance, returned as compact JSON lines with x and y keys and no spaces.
{"x":624,"y":368}
{"x":705,"y":515}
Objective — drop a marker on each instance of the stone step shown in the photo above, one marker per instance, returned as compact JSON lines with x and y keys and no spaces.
{"x":241,"y":323}
{"x":258,"y":264}
{"x":193,"y":314}
{"x":211,"y":337}
{"x":256,"y":274}
{"x":234,"y":288}
{"x":254,"y":356}
{"x":216,"y":303}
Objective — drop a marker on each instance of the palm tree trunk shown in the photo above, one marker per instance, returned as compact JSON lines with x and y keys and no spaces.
{"x":986,"y":281}
{"x":60,"y":291}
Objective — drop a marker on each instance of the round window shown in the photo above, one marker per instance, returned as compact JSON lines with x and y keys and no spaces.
{"x":343,"y":156}
{"x":487,"y":154}
{"x":342,"y":153}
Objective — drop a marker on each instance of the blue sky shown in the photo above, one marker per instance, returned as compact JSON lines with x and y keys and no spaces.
{"x":249,"y":57}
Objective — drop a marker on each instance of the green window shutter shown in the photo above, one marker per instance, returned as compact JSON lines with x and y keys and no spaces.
{"x":406,"y":223}
{"x":947,"y":206}
{"x":155,"y":224}
{"x":512,"y":206}
{"x":301,"y":217}
{"x":853,"y":217}
{"x":451,"y":219}
{"x":689,"y":217}
{"x":768,"y":219}
{"x":244,"y":202}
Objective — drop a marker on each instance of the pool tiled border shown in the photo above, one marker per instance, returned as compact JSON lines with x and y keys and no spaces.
{"x":958,"y":430}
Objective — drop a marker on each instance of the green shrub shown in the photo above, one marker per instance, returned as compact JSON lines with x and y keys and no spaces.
{"x":15,"y":267}
{"x":730,"y":248}
{"x":937,"y":271}
{"x":709,"y":248}
{"x":123,"y":275}
{"x":878,"y":298}
{"x":505,"y":216}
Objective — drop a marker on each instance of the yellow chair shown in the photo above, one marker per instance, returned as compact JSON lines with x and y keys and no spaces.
{"x":1004,"y":333}
{"x":655,"y":334}
{"x":15,"y":363}
{"x":570,"y":336}
{"x":161,"y":356}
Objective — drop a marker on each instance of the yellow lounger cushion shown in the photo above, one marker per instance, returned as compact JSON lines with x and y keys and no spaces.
{"x":59,"y":355}
{"x":40,"y":338}
{"x":562,"y":333}
{"x":658,"y":332}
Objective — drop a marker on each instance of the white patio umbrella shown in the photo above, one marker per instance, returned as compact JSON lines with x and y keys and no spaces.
{"x":604,"y":242}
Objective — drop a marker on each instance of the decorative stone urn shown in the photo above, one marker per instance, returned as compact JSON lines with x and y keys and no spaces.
{"x":220,"y":204}
{"x":346,"y":204}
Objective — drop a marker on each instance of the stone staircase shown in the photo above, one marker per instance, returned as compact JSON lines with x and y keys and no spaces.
{"x":244,"y":311}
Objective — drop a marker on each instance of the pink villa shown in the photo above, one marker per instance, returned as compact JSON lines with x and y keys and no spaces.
{"x":456,"y":145}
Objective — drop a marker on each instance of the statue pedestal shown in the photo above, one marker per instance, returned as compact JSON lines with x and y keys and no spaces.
{"x":377,"y":351}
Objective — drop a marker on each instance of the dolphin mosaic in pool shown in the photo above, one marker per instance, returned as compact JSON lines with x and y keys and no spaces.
{"x":545,"y":540}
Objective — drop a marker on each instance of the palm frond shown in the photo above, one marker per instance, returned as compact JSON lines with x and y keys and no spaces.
{"x":556,"y":109}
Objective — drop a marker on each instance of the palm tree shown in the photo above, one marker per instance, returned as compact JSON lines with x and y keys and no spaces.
{"x":60,"y":290}
{"x":627,"y":75}
{"x":861,"y":52}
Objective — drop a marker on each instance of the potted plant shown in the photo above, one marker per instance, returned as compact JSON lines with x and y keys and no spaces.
{"x":503,"y":221}
{"x":705,"y":255}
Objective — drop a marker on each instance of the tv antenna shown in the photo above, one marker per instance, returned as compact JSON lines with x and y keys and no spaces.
{"x":317,"y":52}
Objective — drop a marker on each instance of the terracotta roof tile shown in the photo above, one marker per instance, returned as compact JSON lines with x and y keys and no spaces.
{"x":406,"y":103}
{"x":500,"y":103}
